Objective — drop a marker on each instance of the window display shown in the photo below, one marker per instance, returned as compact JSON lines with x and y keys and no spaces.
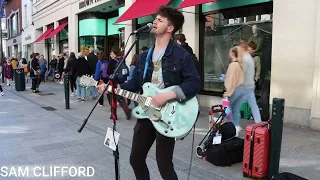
{"x":97,"y":43}
{"x":224,"y":30}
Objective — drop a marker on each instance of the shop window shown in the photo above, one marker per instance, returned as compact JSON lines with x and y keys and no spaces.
{"x":145,"y":39}
{"x":14,"y":25}
{"x":226,"y":29}
{"x":98,"y":43}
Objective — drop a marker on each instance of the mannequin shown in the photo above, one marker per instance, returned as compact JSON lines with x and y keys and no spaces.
{"x":256,"y":39}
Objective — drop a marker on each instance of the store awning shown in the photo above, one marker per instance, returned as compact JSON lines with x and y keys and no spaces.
{"x":57,"y":30}
{"x":141,"y":8}
{"x":48,"y":31}
{"x":188,"y":3}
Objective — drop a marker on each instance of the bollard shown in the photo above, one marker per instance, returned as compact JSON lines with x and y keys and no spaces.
{"x":276,"y":137}
{"x":67,"y":91}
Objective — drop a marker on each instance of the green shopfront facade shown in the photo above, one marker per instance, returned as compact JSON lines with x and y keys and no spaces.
{"x":96,"y":30}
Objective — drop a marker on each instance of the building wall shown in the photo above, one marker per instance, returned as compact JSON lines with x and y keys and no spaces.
{"x":28,"y":33}
{"x":294,"y":74}
{"x":13,"y":6}
{"x":48,"y":12}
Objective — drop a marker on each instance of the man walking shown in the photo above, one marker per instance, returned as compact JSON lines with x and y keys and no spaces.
{"x":92,"y":60}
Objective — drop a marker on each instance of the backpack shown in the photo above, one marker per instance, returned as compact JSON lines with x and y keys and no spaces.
{"x":123,"y":72}
{"x":104,"y":69}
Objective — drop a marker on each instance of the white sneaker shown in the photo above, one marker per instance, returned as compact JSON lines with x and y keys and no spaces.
{"x":238,"y":129}
{"x":2,"y":93}
{"x":72,"y":94}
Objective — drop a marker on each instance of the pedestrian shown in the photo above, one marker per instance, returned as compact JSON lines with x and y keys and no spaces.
{"x":69,"y":71}
{"x":1,"y":91}
{"x":35,"y":73}
{"x":8,"y":71}
{"x":234,"y":80}
{"x":245,"y":92}
{"x":53,"y":66}
{"x":131,"y":72}
{"x":24,"y":65}
{"x":43,"y":68}
{"x":81,"y":67}
{"x":92,"y":60}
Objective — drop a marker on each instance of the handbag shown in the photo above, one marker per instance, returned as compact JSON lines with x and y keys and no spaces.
{"x":87,"y":81}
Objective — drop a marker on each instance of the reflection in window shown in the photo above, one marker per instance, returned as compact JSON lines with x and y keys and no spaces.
{"x":146,"y":39}
{"x":225,"y":30}
{"x":98,"y":43}
{"x":14,"y":25}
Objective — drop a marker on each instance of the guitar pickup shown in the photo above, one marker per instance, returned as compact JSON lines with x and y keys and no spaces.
{"x":148,"y":101}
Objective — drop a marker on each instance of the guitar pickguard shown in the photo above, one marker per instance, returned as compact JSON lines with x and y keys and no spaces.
{"x":174,"y":119}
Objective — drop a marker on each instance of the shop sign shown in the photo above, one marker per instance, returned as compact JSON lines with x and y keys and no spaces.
{"x":85,"y":3}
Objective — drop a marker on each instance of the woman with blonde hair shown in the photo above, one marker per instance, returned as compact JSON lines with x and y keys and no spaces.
{"x":234,"y":92}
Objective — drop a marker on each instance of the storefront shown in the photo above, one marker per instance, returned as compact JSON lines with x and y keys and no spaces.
{"x":96,"y":28}
{"x":51,"y":25}
{"x":223,"y":25}
{"x":14,"y":48}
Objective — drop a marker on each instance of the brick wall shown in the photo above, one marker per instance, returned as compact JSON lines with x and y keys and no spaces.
{"x":14,"y":5}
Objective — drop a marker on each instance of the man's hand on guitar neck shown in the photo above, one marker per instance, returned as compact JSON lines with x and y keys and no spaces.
{"x":160,"y":99}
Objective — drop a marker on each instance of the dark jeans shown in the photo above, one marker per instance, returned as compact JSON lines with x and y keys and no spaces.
{"x":72,"y":81}
{"x":143,"y":138}
{"x":34,"y":83}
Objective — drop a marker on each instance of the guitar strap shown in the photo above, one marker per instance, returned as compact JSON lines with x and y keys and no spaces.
{"x":146,"y":64}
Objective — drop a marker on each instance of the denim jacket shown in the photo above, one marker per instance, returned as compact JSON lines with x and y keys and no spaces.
{"x":177,"y":69}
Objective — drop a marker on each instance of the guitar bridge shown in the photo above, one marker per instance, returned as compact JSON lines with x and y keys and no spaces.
{"x":173,"y":110}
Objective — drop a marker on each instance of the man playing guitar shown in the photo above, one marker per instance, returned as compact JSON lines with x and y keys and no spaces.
{"x":169,"y":64}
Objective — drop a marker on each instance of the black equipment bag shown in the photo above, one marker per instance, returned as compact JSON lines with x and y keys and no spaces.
{"x":227,"y":131}
{"x":226,"y":153}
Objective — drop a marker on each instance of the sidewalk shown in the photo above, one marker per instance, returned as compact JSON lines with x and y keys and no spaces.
{"x":300,"y":153}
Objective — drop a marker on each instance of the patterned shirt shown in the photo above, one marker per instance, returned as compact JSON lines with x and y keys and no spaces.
{"x":157,"y":78}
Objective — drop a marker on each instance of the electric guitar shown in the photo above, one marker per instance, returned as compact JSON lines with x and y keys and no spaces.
{"x":174,"y":119}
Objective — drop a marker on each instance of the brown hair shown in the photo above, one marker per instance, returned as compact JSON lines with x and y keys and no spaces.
{"x":116,"y":50}
{"x":174,"y":16}
{"x":181,"y":37}
{"x":253,"y":45}
{"x":102,"y":56}
{"x":239,"y":54}
{"x":243,"y":45}
{"x":134,"y":59}
{"x":72,"y":55}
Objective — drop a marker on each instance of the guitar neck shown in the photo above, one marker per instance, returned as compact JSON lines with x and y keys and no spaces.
{"x":131,"y":95}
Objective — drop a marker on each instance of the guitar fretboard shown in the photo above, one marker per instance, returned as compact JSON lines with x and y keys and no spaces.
{"x":131,"y":95}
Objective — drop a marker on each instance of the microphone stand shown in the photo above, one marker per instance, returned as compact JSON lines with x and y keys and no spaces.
{"x":111,"y":77}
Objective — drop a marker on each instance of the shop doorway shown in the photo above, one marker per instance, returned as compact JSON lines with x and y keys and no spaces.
{"x":113,"y":40}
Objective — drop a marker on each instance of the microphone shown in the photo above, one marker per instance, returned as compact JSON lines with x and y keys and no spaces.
{"x":147,"y":27}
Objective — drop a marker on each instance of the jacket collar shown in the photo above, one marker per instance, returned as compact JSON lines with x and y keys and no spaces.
{"x":167,"y":52}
